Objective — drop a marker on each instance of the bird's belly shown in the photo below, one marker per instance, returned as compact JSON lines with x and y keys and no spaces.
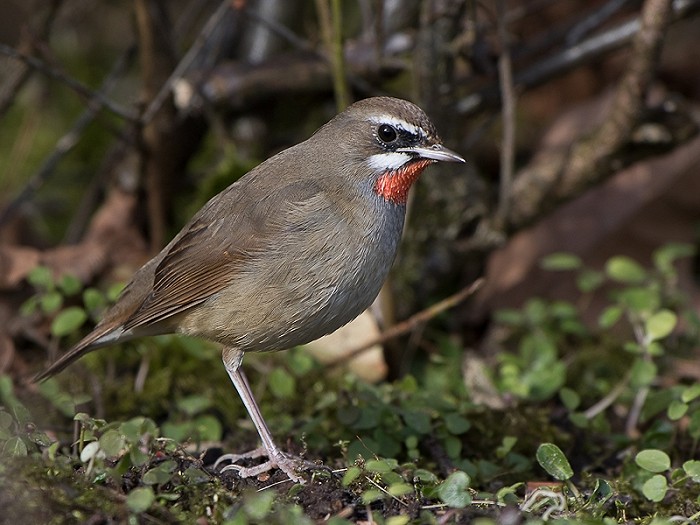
{"x":295,"y":295}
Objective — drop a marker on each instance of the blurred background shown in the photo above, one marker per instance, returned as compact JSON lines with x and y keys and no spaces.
{"x":578,"y":120}
{"x":120,"y":119}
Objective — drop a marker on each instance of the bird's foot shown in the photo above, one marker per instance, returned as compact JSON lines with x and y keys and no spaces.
{"x":288,"y":464}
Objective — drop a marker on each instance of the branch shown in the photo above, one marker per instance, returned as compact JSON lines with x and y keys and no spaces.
{"x":94,"y":98}
{"x":505,"y":78}
{"x":571,"y":57}
{"x":67,"y":142}
{"x":561,"y":176}
{"x":413,"y":321}
{"x":15,"y":78}
{"x":192,"y":53}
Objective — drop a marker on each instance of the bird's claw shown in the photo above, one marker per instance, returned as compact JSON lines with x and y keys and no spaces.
{"x":290,"y":465}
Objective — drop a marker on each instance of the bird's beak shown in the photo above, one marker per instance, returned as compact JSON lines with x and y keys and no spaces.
{"x":434,"y":152}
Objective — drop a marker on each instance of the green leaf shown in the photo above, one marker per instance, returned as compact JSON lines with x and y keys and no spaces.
{"x":660,"y":325}
{"x":114,"y":291}
{"x":639,"y":299}
{"x":602,"y":492}
{"x":14,"y":447}
{"x":398,"y":520}
{"x":300,"y":362}
{"x":665,"y":256}
{"x":351,"y":475}
{"x":625,"y":270}
{"x":69,"y":285}
{"x":259,"y":505}
{"x":676,"y":410}
{"x":655,"y":488}
{"x":509,"y":316}
{"x":507,"y":444}
{"x":690,"y":393}
{"x":399,"y":489}
{"x":50,"y":302}
{"x":93,"y":299}
{"x":208,"y":428}
{"x":536,"y":311}
{"x":379,"y":466}
{"x":561,"y":261}
{"x":643,"y":372}
{"x":112,"y":443}
{"x":610,"y":316}
{"x":68,"y":321}
{"x":454,"y":490}
{"x":160,"y":474}
{"x":589,"y":280}
{"x":371,"y":495}
{"x":418,"y":421}
{"x":456,"y":424}
{"x":424,"y":475}
{"x":137,"y":457}
{"x":653,"y":460}
{"x":552,"y":459}
{"x":282,"y":384}
{"x":692,"y":469}
{"x":5,"y":420}
{"x":194,"y":404}
{"x":570,"y":398}
{"x":29,"y":306}
{"x":140,"y":499}
{"x":41,"y":278}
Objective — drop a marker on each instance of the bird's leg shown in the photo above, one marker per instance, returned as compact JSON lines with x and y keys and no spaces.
{"x":232,"y":359}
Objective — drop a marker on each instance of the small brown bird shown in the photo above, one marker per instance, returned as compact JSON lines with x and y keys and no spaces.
{"x":293,"y":250}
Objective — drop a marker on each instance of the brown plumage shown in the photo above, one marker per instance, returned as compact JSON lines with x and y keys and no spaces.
{"x":296,"y":248}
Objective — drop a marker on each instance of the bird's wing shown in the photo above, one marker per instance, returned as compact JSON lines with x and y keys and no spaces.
{"x":230,"y":231}
{"x":199,"y":264}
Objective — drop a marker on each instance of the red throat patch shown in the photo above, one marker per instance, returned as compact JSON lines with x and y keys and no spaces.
{"x":394,"y":185}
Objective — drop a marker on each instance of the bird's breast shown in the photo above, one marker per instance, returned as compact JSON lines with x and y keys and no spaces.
{"x":320,"y":268}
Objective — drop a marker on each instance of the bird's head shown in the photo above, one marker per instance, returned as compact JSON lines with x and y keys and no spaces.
{"x":392,"y":141}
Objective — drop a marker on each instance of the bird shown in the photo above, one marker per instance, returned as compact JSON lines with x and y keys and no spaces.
{"x":293,"y":250}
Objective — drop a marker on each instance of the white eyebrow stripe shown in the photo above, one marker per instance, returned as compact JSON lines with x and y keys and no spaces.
{"x":390,"y":161}
{"x":398,"y":123}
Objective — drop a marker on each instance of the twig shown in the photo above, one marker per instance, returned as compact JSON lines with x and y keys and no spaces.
{"x":96,"y":99}
{"x":561,"y":176}
{"x":635,"y":411}
{"x":68,"y":141}
{"x":15,"y":79}
{"x":410,"y":323}
{"x":571,"y":57}
{"x":609,"y":399}
{"x":594,"y":20}
{"x":385,"y":491}
{"x":281,"y":31}
{"x":331,"y":32}
{"x":186,"y":61}
{"x":505,"y":78}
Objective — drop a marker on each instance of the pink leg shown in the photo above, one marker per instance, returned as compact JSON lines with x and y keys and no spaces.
{"x":276,"y":458}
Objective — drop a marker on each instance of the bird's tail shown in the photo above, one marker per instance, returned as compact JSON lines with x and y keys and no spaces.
{"x":98,"y":338}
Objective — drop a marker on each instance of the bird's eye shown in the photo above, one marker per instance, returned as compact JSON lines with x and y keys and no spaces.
{"x":386,"y":133}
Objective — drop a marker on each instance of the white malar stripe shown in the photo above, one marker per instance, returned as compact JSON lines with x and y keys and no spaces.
{"x":398,"y":123}
{"x":382,"y":162}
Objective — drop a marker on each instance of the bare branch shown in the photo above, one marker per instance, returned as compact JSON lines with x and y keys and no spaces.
{"x":68,"y":141}
{"x":412,"y":322}
{"x":330,"y":23}
{"x":15,"y":79}
{"x":192,"y":53}
{"x":96,"y":99}
{"x":505,"y":76}
{"x":571,"y":57}
{"x":561,"y":176}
